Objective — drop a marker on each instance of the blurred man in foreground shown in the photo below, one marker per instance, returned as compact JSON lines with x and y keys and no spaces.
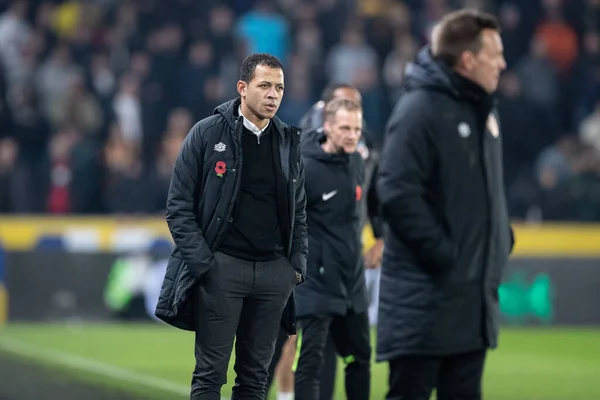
{"x":442,"y":195}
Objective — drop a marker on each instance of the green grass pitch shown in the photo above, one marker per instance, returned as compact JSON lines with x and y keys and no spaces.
{"x":530,"y":364}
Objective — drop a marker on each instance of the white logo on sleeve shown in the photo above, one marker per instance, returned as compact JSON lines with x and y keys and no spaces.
{"x":464,"y":130}
{"x":327,"y":196}
{"x":220,"y":147}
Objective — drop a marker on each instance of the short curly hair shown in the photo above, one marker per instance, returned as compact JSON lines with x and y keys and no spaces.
{"x":250,"y":63}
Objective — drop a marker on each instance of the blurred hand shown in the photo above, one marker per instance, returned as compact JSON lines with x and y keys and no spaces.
{"x":374,"y":255}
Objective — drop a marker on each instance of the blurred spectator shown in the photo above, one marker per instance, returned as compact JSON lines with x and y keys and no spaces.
{"x":97,"y":95}
{"x":514,"y":31}
{"x":127,"y":189}
{"x":60,"y":196}
{"x":586,"y":78}
{"x":525,"y":128}
{"x":539,"y":80}
{"x":430,"y":12}
{"x":590,"y":129}
{"x":161,"y":175}
{"x":128,"y":110}
{"x":393,"y":68}
{"x":196,"y":71}
{"x":15,"y":183}
{"x":15,"y":33}
{"x":221,"y":20}
{"x":592,"y":15}
{"x":309,"y":47}
{"x":31,"y":128}
{"x":77,"y":107}
{"x":557,"y":163}
{"x":297,"y":99}
{"x":265,"y":30}
{"x":557,"y":35}
{"x":102,"y":77}
{"x":350,"y":56}
{"x":54,"y":78}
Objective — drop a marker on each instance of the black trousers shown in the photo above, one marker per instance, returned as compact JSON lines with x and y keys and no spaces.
{"x":456,"y":377}
{"x":328,"y":372}
{"x":242,"y":300}
{"x":350,"y":334}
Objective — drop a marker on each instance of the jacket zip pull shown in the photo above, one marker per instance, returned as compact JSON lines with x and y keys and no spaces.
{"x":258,"y":138}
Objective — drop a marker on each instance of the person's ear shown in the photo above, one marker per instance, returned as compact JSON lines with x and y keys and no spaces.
{"x":326,"y":127}
{"x":468,"y":61}
{"x":242,"y":88}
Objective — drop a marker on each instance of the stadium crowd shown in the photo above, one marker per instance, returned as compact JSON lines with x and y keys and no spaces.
{"x":96,"y":96}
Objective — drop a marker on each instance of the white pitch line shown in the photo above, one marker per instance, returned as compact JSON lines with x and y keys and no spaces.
{"x":25,"y":349}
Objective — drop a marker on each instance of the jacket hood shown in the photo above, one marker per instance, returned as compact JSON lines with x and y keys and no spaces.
{"x":229,"y":111}
{"x":428,"y":73}
{"x":313,"y":119}
{"x":311,"y":147}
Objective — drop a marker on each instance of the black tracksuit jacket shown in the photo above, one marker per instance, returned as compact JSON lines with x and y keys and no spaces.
{"x":335,"y":271}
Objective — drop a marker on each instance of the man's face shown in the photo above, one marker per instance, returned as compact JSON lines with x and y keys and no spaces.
{"x":8,"y":152}
{"x":348,"y":94}
{"x":263,"y":94}
{"x":343,"y":130}
{"x":485,"y":67}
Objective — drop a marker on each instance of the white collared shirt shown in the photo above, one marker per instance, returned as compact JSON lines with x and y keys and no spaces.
{"x":250,"y":125}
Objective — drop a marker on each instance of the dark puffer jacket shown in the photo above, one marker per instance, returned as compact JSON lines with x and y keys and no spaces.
{"x":200,"y":203}
{"x":449,"y":238}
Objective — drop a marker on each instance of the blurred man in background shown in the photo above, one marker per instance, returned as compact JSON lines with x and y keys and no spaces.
{"x":281,"y":365}
{"x":442,"y":195}
{"x":332,"y":302}
{"x":240,"y":234}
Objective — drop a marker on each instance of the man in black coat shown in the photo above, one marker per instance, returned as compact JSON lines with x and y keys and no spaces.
{"x":333,"y":298}
{"x":449,"y":236}
{"x":312,"y":121}
{"x":236,"y":211}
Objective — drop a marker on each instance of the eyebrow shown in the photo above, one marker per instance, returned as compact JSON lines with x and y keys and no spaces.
{"x":270,"y":83}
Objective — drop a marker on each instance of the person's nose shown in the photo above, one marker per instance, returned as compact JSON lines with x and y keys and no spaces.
{"x":502,"y":64}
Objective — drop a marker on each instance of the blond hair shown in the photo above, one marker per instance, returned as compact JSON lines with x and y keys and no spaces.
{"x":335,"y":105}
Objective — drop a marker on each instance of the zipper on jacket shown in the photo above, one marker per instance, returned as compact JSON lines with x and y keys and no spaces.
{"x":238,"y":178}
{"x":292,"y":185}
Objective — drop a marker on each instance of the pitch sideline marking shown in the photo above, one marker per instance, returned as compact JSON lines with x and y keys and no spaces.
{"x":25,"y":349}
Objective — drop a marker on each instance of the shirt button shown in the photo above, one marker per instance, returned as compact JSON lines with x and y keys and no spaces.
{"x":294,"y":180}
{"x":230,"y":220}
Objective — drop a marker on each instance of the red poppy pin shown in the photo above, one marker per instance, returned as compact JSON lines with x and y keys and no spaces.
{"x":358,"y":193}
{"x":220,"y":168}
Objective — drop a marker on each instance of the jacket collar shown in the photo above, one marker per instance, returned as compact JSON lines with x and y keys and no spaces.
{"x":229,"y":111}
{"x":250,"y":125}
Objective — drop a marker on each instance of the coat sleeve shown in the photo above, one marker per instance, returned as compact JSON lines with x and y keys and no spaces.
{"x":512,"y":239}
{"x":184,"y":192}
{"x":299,"y":251}
{"x":406,"y":166}
{"x":374,"y":207}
